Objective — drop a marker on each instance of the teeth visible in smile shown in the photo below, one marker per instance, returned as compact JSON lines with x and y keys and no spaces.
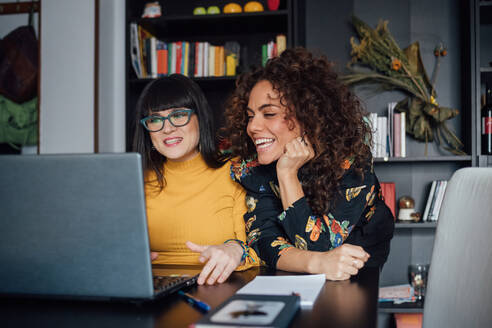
{"x":172,"y":141}
{"x":264,"y":142}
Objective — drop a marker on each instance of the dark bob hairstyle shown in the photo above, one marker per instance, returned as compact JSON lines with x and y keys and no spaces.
{"x":174,"y":91}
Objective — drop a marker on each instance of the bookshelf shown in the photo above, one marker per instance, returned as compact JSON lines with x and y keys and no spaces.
{"x":389,"y":160}
{"x":413,"y":174}
{"x":177,"y":23}
{"x":481,"y":61}
{"x":413,"y":242}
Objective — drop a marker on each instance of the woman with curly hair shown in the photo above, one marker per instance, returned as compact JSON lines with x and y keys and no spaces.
{"x":314,"y":201}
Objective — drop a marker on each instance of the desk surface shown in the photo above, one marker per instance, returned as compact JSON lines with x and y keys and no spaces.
{"x":340,"y":304}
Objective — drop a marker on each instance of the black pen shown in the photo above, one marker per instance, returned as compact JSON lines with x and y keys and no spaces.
{"x":195,"y":302}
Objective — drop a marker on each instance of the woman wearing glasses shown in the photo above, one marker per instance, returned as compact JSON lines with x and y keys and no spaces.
{"x":314,"y":200}
{"x":194,"y":210}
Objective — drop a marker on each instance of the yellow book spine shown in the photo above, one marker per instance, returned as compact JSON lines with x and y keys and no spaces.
{"x":231,"y":65}
{"x":281,"y":43}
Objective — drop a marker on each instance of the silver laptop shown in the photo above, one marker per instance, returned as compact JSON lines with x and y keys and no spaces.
{"x":74,"y":226}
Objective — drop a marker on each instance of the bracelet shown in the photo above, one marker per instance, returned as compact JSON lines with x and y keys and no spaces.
{"x":243,"y":246}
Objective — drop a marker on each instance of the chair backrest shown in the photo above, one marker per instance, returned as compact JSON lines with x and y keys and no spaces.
{"x":459,"y":292}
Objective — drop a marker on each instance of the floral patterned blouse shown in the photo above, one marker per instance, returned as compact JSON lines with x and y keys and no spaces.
{"x":359,"y":215}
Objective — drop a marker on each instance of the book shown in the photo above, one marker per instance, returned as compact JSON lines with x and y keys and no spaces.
{"x":179,"y":57}
{"x":397,"y":135}
{"x":397,"y":294}
{"x":252,"y":310}
{"x":135,"y":50}
{"x":429,"y":201}
{"x":388,"y":191}
{"x":198,"y":59}
{"x":382,"y":137}
{"x":231,"y":53}
{"x":281,"y":41}
{"x":162,"y":56}
{"x":231,"y":65}
{"x":173,"y":58}
{"x":221,"y":61}
{"x":403,"y":133}
{"x":185,"y":59}
{"x":148,"y":57}
{"x":264,"y":54}
{"x":206,"y":50}
{"x":440,"y":197}
{"x":269,"y":50}
{"x":307,"y":286}
{"x":390,"y":128}
{"x":191,"y":59}
{"x":144,"y":47}
{"x":153,"y":57}
{"x":434,"y":201}
{"x":170,"y":50}
{"x":373,"y":119}
{"x":211,"y":60}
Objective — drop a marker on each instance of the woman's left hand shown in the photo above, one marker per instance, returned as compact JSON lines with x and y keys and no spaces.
{"x":221,"y":260}
{"x":297,"y":153}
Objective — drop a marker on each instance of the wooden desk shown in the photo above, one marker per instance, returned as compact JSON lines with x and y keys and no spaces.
{"x":340,"y":304}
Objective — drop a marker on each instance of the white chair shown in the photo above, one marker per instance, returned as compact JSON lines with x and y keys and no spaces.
{"x":459,"y":288}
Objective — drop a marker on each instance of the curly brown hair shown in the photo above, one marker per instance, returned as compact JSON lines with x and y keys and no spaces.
{"x":330,"y":115}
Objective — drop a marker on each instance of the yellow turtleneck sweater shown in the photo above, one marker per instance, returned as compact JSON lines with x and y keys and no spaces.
{"x":199,"y":204}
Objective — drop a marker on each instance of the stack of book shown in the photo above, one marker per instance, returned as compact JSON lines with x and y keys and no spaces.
{"x":388,"y":133}
{"x":273,"y":48}
{"x":396,"y":294}
{"x":434,"y":201}
{"x":152,"y":58}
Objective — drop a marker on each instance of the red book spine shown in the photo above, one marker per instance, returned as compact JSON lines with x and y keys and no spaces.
{"x":179,"y":46}
{"x":389,"y":195}
{"x":161,"y":59}
{"x":196,"y":71}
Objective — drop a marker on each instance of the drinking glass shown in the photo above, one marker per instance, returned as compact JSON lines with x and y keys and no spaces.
{"x":417,"y":277}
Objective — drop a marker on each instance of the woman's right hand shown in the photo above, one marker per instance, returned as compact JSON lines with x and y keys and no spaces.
{"x":340,"y":263}
{"x":220,"y":260}
{"x":297,"y":152}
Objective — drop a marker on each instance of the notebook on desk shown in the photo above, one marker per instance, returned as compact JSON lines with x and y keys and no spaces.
{"x":74,"y":226}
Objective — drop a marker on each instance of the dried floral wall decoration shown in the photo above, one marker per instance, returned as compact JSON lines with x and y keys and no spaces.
{"x":379,"y":63}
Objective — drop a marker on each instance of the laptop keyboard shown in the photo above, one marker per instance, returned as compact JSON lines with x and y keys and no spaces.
{"x":168,"y":283}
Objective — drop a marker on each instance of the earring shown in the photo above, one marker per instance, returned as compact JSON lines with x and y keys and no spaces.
{"x":153,"y":148}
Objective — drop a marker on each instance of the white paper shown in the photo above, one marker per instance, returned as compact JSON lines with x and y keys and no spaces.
{"x":307,"y":286}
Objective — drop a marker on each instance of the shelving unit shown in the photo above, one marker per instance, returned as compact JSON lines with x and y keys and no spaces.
{"x":419,"y":225}
{"x":413,"y":242}
{"x":465,"y":158}
{"x":250,"y":30}
{"x":481,"y":63}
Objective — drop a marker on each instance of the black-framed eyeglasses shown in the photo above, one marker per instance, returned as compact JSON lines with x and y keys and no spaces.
{"x":177,"y":118}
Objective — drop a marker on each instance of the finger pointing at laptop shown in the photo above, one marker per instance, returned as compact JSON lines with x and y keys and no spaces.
{"x":220,"y":260}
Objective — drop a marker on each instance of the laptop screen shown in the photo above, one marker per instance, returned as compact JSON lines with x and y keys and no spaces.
{"x":74,"y":226}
